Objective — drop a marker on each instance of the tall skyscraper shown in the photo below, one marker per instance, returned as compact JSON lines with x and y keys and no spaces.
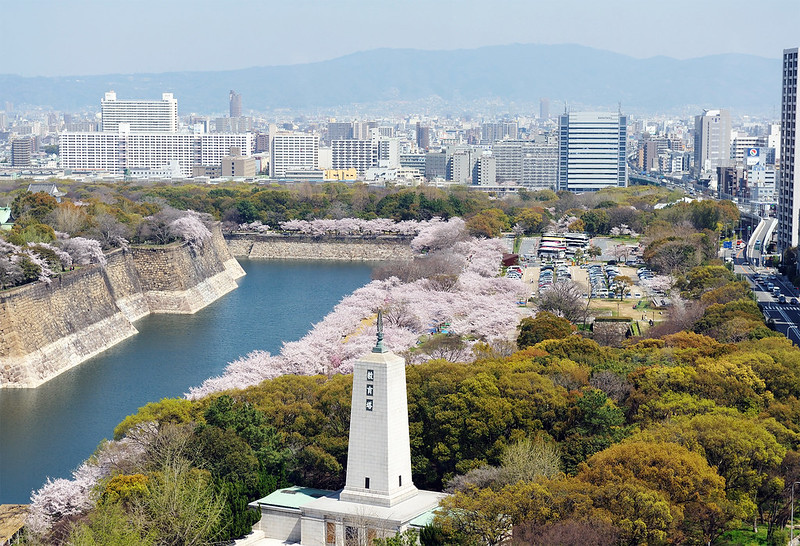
{"x":591,"y":151}
{"x":544,"y":108}
{"x":235,"y":103}
{"x":21,"y":149}
{"x":712,"y":141}
{"x":423,"y":137}
{"x":789,"y":188}
{"x":142,"y":116}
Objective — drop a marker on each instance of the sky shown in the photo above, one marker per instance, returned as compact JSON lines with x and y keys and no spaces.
{"x":73,"y":37}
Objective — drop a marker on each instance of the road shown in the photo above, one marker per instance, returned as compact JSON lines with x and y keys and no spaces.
{"x":786,"y":316}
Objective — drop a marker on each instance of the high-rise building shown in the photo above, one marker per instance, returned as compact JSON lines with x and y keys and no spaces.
{"x":789,"y":185}
{"x":339,"y":131}
{"x":423,"y":137}
{"x":648,"y":155}
{"x":123,"y":151}
{"x":142,"y":136}
{"x":461,"y":166}
{"x":732,"y":183}
{"x":712,"y":141}
{"x":591,"y":151}
{"x":413,"y":161}
{"x":492,"y":132}
{"x":509,"y":155}
{"x":292,"y":151}
{"x":486,"y":171}
{"x":742,"y":144}
{"x":235,"y":104}
{"x":352,"y":154}
{"x":386,"y":152}
{"x":544,"y":109}
{"x":435,"y":165}
{"x":142,"y":116}
{"x":540,"y":167}
{"x":363,"y":129}
{"x":21,"y":149}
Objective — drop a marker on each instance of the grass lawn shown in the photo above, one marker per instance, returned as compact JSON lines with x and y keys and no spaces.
{"x":746,"y":537}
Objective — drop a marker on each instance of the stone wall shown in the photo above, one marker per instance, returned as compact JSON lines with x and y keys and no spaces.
{"x":47,"y":329}
{"x":299,"y":247}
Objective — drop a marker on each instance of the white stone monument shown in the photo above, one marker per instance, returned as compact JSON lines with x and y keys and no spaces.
{"x":379,"y":499}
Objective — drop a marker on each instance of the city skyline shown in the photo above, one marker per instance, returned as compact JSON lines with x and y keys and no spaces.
{"x":145,"y":43}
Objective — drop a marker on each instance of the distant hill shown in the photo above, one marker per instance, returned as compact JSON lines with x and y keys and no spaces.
{"x":513,"y":73}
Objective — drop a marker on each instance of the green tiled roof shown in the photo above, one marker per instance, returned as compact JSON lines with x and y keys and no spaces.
{"x":424,"y":518}
{"x":293,"y":497}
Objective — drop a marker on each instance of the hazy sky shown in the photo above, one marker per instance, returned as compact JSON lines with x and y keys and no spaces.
{"x":72,"y":37}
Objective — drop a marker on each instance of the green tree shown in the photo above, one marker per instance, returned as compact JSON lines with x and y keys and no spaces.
{"x":529,"y":459}
{"x":183,"y":508}
{"x":33,"y":206}
{"x":683,"y":477}
{"x":168,"y":410}
{"x":487,"y":516}
{"x":488,"y":223}
{"x":110,"y":524}
{"x":544,"y":325}
{"x":739,"y":448}
{"x":595,"y":222}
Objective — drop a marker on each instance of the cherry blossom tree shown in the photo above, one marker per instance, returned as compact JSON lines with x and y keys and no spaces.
{"x":62,"y":497}
{"x":439,"y":234}
{"x":84,"y":251}
{"x":478,"y":306}
{"x":191,"y":229}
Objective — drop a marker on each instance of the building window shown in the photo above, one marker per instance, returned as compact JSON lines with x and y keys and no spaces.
{"x":400,"y":481}
{"x":366,"y":483}
{"x":330,"y":533}
{"x":351,"y":536}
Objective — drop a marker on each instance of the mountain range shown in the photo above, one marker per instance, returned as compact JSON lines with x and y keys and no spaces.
{"x":520,"y":73}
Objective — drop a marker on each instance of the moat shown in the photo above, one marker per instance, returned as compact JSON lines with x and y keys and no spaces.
{"x":50,"y":430}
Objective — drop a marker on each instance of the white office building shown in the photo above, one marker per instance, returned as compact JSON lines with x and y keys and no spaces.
{"x":140,"y":138}
{"x":142,"y":116}
{"x":591,"y":151}
{"x":352,"y":154}
{"x":125,"y":151}
{"x":712,"y":142}
{"x":486,"y":171}
{"x":788,"y":186}
{"x":741,"y":145}
{"x":291,"y":151}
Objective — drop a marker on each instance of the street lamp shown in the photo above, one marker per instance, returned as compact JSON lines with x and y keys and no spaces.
{"x":791,"y":529}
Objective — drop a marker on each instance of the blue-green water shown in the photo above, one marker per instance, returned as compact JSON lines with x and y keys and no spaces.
{"x":50,"y":430}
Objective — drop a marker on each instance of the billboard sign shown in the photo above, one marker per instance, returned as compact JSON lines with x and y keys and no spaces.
{"x":752,"y":156}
